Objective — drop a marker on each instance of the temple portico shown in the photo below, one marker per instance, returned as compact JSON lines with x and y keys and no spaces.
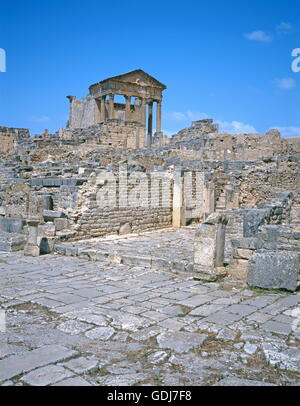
{"x":142,"y":98}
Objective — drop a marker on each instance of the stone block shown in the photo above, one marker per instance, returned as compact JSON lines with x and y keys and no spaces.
{"x":61,"y":224}
{"x":46,"y":230}
{"x":209,"y":246}
{"x":274,"y":270}
{"x":253,"y":220}
{"x":50,"y":215}
{"x":238,"y":269}
{"x":11,"y":225}
{"x":241,"y":253}
{"x":46,"y":375}
{"x":245,"y":243}
{"x":31,"y":250}
{"x":268,"y":238}
{"x":125,"y":229}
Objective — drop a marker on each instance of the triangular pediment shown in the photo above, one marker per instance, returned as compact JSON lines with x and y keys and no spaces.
{"x":138,"y":77}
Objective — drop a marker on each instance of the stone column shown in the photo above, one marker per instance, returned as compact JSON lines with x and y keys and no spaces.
{"x":127,"y":107}
{"x":158,"y":117}
{"x":71,"y":114}
{"x":150,"y":116}
{"x":209,"y":248}
{"x":31,"y":248}
{"x":178,"y":213}
{"x":103,"y":108}
{"x":143,"y":112}
{"x":111,"y":106}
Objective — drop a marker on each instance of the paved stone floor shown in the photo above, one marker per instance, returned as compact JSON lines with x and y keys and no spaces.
{"x":168,"y":249}
{"x":71,"y":321}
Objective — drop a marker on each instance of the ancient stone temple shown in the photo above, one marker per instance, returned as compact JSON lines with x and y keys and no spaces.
{"x":140,"y":91}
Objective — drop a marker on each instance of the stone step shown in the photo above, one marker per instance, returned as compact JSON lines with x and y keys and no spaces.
{"x":127,"y":258}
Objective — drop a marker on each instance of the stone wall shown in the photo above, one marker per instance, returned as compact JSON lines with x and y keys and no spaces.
{"x":10,"y":137}
{"x":113,"y":133}
{"x":86,"y":112}
{"x":129,"y":203}
{"x":83,"y":113}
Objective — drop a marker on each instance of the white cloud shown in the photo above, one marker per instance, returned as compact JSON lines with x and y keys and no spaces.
{"x":187,"y":115}
{"x":194,"y":115}
{"x":236,"y":127}
{"x":284,"y":28}
{"x":285,"y":83}
{"x":177,"y":116}
{"x":39,"y":119}
{"x":260,"y":36}
{"x":288,"y":131}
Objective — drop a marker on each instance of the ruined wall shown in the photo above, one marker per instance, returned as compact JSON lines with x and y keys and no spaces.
{"x":83,"y":113}
{"x":10,"y":137}
{"x":259,"y":185}
{"x":207,"y":143}
{"x":193,"y":195}
{"x":113,"y":133}
{"x":127,"y":204}
{"x":87,"y":112}
{"x":134,"y":114}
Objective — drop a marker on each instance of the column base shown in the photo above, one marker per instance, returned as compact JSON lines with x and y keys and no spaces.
{"x":208,"y":274}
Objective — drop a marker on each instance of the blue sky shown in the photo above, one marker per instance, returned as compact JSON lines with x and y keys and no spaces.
{"x":228,"y":60}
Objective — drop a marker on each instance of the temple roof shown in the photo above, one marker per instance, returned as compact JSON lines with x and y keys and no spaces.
{"x":137,"y":77}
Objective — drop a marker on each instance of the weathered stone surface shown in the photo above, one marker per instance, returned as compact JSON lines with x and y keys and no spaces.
{"x":125,"y":229}
{"x":277,"y":327}
{"x":81,"y":365}
{"x":15,"y":365}
{"x":11,"y":225}
{"x":125,"y":355}
{"x":32,"y":250}
{"x":196,"y":300}
{"x":100,"y":333}
{"x":209,"y":247}
{"x":130,"y":322}
{"x":180,"y":341}
{"x":74,"y":327}
{"x":46,"y":375}
{"x":122,"y":380}
{"x":157,"y":357}
{"x":10,"y":242}
{"x":226,"y":335}
{"x":51,"y":215}
{"x":250,"y":348}
{"x":274,"y":270}
{"x":287,"y":359}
